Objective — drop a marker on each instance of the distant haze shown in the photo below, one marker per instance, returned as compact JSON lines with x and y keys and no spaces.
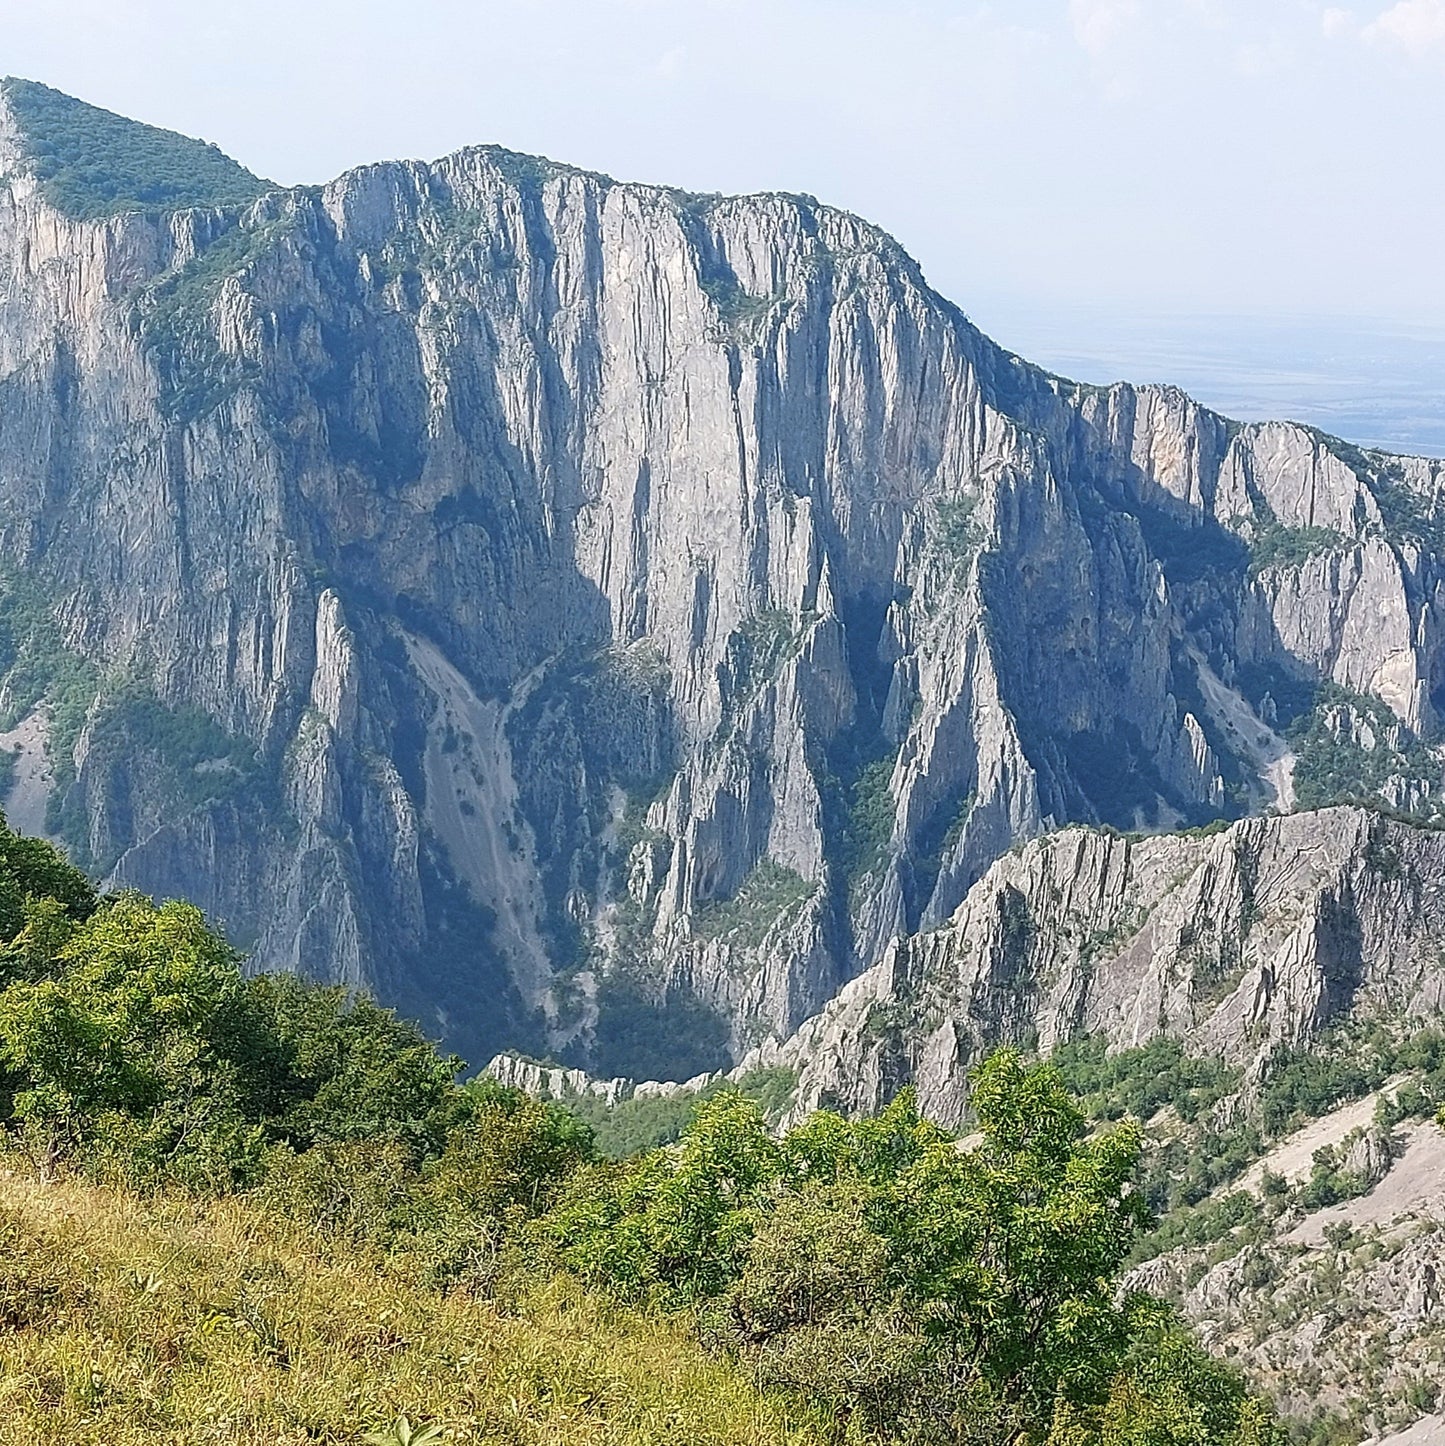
{"x":1379,"y":384}
{"x":1048,"y":161}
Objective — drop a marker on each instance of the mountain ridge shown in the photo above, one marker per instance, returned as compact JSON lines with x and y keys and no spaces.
{"x":700,"y":552}
{"x":663,"y":634}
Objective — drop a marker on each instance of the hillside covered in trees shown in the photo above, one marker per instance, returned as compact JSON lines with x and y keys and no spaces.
{"x":253,"y":1209}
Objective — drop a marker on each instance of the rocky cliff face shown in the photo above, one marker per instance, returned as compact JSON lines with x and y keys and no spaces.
{"x":1239,"y":943}
{"x":601,"y":618}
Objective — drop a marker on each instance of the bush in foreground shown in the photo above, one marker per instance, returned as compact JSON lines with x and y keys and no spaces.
{"x":891,"y":1282}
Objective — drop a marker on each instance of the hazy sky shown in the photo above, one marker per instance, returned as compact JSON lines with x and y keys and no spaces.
{"x":1187,"y":155}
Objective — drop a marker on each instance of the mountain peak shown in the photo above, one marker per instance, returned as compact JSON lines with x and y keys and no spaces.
{"x":92,"y":163}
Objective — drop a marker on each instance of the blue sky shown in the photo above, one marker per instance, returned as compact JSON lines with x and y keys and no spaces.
{"x":1191,"y":156}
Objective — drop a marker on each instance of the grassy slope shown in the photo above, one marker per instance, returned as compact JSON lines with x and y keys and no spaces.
{"x":125,"y":1321}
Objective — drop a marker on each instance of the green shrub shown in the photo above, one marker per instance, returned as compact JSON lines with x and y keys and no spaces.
{"x":871,"y":816}
{"x":771,"y":894}
{"x":1275,"y":545}
{"x":1170,"y":1391}
{"x":1142,"y":1080}
{"x":634,"y":1126}
{"x":1330,"y":767}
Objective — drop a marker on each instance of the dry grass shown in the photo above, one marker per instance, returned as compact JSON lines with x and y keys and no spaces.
{"x":124,"y":1320}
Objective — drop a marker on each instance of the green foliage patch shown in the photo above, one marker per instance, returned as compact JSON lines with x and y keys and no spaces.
{"x":1276,"y":545}
{"x":637,"y":1125}
{"x":1408,"y":517}
{"x":176,"y":320}
{"x":207,"y":762}
{"x":771,"y":894}
{"x":756,"y":652}
{"x":870,"y":817}
{"x":1319,"y":719}
{"x":641,"y":1035}
{"x":1302,"y":1083}
{"x":738,"y":309}
{"x":1332,"y":767}
{"x":38,"y":667}
{"x":957,"y":533}
{"x":896,"y":1284}
{"x":1142,"y":1080}
{"x":192,"y":760}
{"x":92,"y":163}
{"x":1206,"y":1140}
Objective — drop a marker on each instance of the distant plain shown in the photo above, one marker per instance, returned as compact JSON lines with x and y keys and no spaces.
{"x":1374,"y":383}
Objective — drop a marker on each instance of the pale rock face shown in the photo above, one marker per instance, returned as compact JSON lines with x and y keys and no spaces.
{"x":552,"y":1081}
{"x":1338,"y":1308}
{"x":635,"y":596}
{"x":1264,"y":934}
{"x":334,"y":683}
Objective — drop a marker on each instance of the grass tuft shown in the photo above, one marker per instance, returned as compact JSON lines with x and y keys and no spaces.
{"x":126,"y":1320}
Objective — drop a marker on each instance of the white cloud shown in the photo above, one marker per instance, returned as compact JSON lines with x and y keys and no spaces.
{"x":1097,"y":23}
{"x":669,"y":65}
{"x":1416,"y":26}
{"x":1336,"y":21}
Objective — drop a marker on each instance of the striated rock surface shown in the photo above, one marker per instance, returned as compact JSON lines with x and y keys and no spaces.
{"x":602,"y":619}
{"x":1267,"y":933}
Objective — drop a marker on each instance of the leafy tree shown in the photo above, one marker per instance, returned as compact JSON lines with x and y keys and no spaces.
{"x":508,"y":1152}
{"x":820,"y":1311}
{"x":42,"y":897}
{"x":1012,"y":1248}
{"x":110,"y":1054}
{"x":877,"y":1150}
{"x":130,"y":1039}
{"x":323,"y":1066}
{"x":673,"y":1225}
{"x":1169,"y":1393}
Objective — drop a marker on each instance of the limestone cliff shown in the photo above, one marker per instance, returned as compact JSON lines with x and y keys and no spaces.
{"x":601,"y":618}
{"x":1238,"y":942}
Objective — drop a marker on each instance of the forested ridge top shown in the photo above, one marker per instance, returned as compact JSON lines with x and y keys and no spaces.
{"x":93,"y":163}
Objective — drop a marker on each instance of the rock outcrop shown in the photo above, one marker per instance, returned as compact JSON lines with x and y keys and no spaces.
{"x":591,"y":615}
{"x":1237,"y":942}
{"x":1338,"y":1312}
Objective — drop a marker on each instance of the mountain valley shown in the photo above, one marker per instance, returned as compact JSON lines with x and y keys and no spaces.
{"x":654,"y":639}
